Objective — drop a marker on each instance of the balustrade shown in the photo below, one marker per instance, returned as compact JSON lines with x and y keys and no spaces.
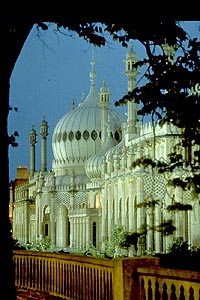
{"x":77,"y":277}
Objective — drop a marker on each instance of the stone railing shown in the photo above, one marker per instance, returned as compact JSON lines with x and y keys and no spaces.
{"x":89,"y":278}
{"x":168,"y":284}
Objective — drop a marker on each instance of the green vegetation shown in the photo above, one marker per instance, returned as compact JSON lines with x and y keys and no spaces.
{"x":181,"y":255}
{"x":42,"y":245}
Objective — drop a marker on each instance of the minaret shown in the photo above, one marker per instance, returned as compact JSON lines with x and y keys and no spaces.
{"x":44,"y":134}
{"x":32,"y":141}
{"x":131,"y":73}
{"x":104,"y":103}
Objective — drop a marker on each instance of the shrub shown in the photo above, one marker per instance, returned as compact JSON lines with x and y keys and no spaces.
{"x":181,"y":255}
{"x":41,"y":245}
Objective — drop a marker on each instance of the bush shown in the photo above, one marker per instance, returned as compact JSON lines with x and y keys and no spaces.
{"x":16,"y":245}
{"x":181,"y":255}
{"x":42,"y":245}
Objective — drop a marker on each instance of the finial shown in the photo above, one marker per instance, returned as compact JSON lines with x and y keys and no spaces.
{"x":73,"y":104}
{"x":82,"y":96}
{"x":92,"y":72}
{"x":109,"y":132}
{"x":131,"y":46}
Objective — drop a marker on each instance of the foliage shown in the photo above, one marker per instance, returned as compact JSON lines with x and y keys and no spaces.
{"x":131,"y":239}
{"x":118,"y":239}
{"x":181,"y":255}
{"x":167,"y":228}
{"x":41,"y":245}
{"x":178,"y":246}
{"x":119,"y":235}
{"x":16,"y":245}
{"x":179,"y":206}
{"x":92,"y":251}
{"x":169,"y":93}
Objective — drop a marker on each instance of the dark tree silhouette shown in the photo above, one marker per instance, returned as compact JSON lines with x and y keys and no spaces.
{"x":13,"y":36}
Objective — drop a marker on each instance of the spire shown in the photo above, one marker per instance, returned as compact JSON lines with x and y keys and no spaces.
{"x":104,"y":95}
{"x":131,"y":73}
{"x":109,"y":129}
{"x":32,"y":141}
{"x":44,"y":133}
{"x":73,"y":104}
{"x":130,"y":70}
{"x":92,"y":72}
{"x":44,"y":127}
{"x":32,"y":136}
{"x":104,"y":104}
{"x":92,"y":96}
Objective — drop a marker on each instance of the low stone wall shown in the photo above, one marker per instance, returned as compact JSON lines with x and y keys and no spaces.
{"x":51,"y":276}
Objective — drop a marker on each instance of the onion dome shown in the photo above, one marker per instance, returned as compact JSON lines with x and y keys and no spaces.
{"x":32,"y":136}
{"x":131,"y":57}
{"x":77,"y":135}
{"x":93,"y":166}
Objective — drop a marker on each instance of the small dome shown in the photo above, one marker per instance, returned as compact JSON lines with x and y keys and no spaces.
{"x":104,"y":89}
{"x":93,"y":167}
{"x":32,"y":131}
{"x":131,"y":55}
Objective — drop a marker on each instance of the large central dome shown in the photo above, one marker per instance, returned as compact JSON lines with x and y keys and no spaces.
{"x":77,"y":135}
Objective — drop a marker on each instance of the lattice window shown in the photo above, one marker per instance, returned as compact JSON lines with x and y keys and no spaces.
{"x":187,"y":196}
{"x":63,"y":198}
{"x":155,"y":186}
{"x":94,"y":135}
{"x":86,"y":135}
{"x":81,"y":198}
{"x":78,"y":135}
{"x":71,"y":135}
{"x":64,"y":136}
{"x":59,"y":137}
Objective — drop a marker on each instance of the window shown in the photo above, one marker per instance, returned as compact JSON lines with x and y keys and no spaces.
{"x":98,"y":201}
{"x":94,"y":234}
{"x":46,"y":230}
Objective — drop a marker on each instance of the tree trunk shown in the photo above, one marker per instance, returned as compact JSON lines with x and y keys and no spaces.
{"x":13,"y":36}
{"x":7,"y":286}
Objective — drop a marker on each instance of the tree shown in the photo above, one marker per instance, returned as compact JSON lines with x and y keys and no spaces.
{"x":170,"y":95}
{"x":13,"y":36}
{"x":177,"y":80}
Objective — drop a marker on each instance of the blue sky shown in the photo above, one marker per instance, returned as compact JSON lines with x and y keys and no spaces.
{"x":52,"y":70}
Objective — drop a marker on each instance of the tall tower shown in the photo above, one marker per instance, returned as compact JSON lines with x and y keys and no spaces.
{"x":44,"y":133}
{"x":104,"y":103}
{"x":32,"y":141}
{"x":131,"y":73}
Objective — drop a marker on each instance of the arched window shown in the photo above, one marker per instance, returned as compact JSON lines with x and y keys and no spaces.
{"x":94,"y":234}
{"x":68,"y":232}
{"x":98,"y":200}
{"x":46,"y":230}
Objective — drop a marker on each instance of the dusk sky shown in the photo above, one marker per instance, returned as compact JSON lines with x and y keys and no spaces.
{"x":51,"y":71}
